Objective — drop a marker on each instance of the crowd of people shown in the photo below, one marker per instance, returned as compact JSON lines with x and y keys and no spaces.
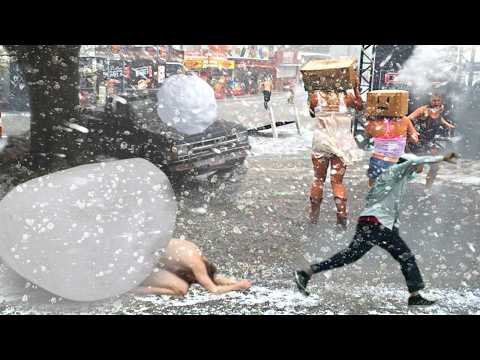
{"x":402,"y":146}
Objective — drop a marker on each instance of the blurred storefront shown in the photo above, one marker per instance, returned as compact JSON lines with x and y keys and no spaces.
{"x":107,"y":70}
{"x":212,"y":65}
{"x":253,"y":64}
{"x":287,"y":66}
{"x":175,"y":60}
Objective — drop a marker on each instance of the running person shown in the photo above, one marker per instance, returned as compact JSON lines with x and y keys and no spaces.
{"x":429,"y":119}
{"x":378,"y":225}
{"x":267,"y":91}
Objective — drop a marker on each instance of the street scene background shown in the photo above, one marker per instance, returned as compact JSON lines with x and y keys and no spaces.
{"x":252,"y":222}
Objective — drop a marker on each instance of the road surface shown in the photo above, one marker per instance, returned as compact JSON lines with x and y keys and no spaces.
{"x":253,"y":225}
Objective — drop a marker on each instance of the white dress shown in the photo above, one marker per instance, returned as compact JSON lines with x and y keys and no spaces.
{"x":333,"y":133}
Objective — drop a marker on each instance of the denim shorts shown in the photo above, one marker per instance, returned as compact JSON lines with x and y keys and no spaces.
{"x":377,"y":167}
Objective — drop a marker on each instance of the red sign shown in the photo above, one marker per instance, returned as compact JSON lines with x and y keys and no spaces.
{"x":286,"y":57}
{"x":390,"y":78}
{"x":218,"y":49}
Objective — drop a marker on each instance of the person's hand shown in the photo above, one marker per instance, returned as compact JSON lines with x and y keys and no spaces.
{"x":244,"y":284}
{"x":451,"y":158}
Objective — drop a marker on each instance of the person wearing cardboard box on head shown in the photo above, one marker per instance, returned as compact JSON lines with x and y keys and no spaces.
{"x":390,"y":129}
{"x":429,"y":120}
{"x":332,"y":87}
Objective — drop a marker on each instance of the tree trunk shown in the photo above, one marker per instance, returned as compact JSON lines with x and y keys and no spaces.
{"x":52,"y":76}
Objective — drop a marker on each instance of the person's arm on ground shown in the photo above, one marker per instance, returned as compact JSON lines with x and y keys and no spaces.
{"x":223,"y":280}
{"x":201,"y":275}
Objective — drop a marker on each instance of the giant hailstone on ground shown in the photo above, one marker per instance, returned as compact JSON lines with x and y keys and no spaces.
{"x":187,"y":103}
{"x":89,"y":232}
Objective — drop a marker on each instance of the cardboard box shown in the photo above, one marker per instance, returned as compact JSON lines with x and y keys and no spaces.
{"x":392,"y":103}
{"x":329,"y":74}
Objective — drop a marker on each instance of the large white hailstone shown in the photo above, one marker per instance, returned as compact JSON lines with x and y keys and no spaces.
{"x":90,"y":232}
{"x":187,"y":103}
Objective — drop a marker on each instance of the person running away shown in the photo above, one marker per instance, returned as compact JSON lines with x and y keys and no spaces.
{"x":378,"y":225}
{"x":267,"y":91}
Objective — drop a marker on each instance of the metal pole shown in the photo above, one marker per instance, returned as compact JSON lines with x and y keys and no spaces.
{"x":471,"y":67}
{"x":274,"y":125}
{"x":297,"y":119}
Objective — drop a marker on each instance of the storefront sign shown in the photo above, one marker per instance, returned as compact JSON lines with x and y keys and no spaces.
{"x":143,"y":71}
{"x":113,"y":72}
{"x":226,"y":64}
{"x":195,"y":63}
{"x":240,"y":63}
{"x":286,"y":57}
{"x":161,"y":73}
{"x":390,"y":77}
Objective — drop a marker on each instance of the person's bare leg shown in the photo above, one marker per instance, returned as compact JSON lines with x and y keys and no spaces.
{"x":320,"y":167}
{"x":433,"y":171}
{"x":339,"y":190}
{"x":149,"y":290}
{"x":165,"y":283}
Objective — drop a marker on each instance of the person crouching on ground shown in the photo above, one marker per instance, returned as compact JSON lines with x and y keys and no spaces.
{"x":378,"y":225}
{"x":183,"y":265}
{"x":330,"y":147}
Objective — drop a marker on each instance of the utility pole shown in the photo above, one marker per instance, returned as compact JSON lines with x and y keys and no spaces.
{"x":471,"y":67}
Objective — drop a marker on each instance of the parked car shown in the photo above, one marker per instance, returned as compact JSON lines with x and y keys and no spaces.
{"x":119,"y":130}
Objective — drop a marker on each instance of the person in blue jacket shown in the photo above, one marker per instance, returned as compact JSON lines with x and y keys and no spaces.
{"x":378,"y":225}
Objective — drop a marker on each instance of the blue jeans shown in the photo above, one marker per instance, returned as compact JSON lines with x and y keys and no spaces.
{"x":377,"y":167}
